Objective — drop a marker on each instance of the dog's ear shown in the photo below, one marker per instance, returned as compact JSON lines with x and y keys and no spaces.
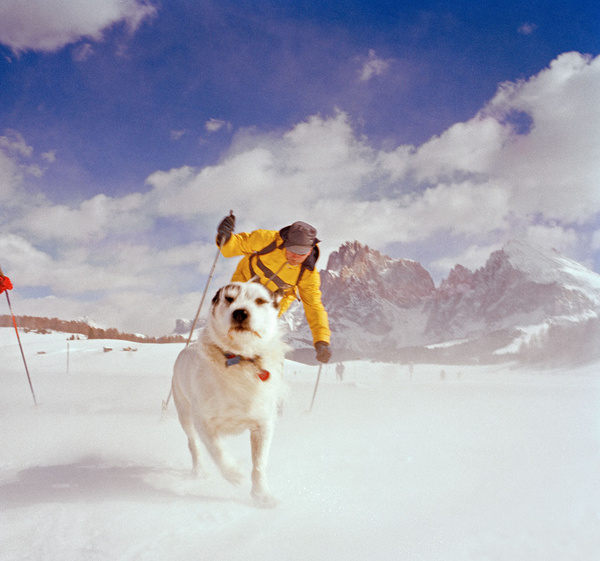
{"x":216,"y":297}
{"x":278,"y":297}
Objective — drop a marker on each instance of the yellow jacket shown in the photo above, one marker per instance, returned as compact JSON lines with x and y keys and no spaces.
{"x":275,"y":272}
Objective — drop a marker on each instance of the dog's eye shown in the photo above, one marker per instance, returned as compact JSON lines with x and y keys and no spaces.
{"x":229,"y":299}
{"x":260,"y":301}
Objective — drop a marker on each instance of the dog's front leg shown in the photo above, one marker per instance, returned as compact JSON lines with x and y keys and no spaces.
{"x":260,"y":441}
{"x":212,"y":442}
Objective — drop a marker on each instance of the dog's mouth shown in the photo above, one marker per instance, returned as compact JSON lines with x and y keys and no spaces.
{"x":242,"y":329}
{"x":240,"y":319}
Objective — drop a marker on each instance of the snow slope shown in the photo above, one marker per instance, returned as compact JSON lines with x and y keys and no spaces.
{"x":459,"y":463}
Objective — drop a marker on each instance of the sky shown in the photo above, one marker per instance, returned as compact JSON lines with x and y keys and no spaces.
{"x":432,"y":131}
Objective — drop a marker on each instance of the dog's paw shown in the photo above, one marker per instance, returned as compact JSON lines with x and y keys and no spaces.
{"x":263,"y":499}
{"x":199,"y":473}
{"x":233,"y":474}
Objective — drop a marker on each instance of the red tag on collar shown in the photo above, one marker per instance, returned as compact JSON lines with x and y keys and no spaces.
{"x":264,"y":375}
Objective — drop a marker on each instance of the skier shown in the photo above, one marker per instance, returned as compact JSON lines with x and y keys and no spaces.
{"x":283,"y":260}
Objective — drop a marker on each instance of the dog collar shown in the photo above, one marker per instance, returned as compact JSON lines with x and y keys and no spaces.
{"x":231,"y":360}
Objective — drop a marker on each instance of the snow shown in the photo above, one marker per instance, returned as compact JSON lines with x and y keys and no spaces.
{"x":527,"y":333}
{"x":548,"y":266}
{"x":447,"y":344}
{"x":431,"y":463}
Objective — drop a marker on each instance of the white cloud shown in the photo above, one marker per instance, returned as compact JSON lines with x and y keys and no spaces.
{"x":266,"y":175}
{"x":91,"y":221}
{"x":372,"y":66}
{"x":49,"y":156}
{"x":83,"y":52}
{"x":563,"y":239}
{"x":21,"y":256}
{"x":176,"y":135}
{"x":13,"y":142}
{"x":595,"y":243}
{"x":484,"y":175}
{"x":465,"y":148}
{"x":472,"y":257}
{"x":320,"y":171}
{"x":463,"y":208}
{"x":215,"y":125}
{"x":49,"y":25}
{"x":9,"y":174}
{"x":15,"y":163}
{"x":555,"y":168}
{"x":527,"y":28}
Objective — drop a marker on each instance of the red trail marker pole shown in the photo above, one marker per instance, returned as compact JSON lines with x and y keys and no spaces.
{"x":5,"y":289}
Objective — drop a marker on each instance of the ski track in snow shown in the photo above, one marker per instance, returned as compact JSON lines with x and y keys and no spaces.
{"x":488,"y":463}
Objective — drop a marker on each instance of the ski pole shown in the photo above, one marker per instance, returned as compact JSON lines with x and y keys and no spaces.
{"x":210,"y":276}
{"x":165,"y":405}
{"x":204,"y":295}
{"x":19,"y":340}
{"x":316,"y":386}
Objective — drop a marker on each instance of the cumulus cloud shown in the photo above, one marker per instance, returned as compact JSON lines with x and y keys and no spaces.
{"x":267,"y":175}
{"x":49,"y":25}
{"x":488,"y":174}
{"x":92,"y":220}
{"x":554,"y":170}
{"x":476,"y":185}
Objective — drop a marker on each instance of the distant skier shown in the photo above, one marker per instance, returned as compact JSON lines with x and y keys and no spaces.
{"x":283,"y":260}
{"x":339,"y":371}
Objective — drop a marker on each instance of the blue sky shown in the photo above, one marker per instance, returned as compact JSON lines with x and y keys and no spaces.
{"x":434,"y":131}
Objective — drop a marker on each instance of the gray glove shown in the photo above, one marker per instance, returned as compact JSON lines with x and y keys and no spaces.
{"x":225,"y":229}
{"x":323,"y":351}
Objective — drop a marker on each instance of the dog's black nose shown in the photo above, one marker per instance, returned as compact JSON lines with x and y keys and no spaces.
{"x":239,"y":315}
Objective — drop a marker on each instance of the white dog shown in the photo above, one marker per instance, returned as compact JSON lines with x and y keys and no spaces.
{"x":231,"y":380}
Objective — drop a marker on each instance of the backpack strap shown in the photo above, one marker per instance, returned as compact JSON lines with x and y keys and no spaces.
{"x":267,"y":249}
{"x":270,"y":275}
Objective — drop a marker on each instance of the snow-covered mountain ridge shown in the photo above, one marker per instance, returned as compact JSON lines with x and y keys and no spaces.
{"x":384,"y":308}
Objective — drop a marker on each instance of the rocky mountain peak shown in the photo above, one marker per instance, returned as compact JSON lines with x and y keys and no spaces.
{"x":460,"y":279}
{"x":356,"y":259}
{"x":357,"y":268}
{"x":520,"y":285}
{"x":548,"y":266}
{"x":384,"y":307}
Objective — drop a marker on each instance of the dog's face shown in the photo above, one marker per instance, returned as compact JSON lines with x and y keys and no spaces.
{"x":243,"y":311}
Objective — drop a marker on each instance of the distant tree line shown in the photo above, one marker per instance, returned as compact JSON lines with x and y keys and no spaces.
{"x":44,"y":325}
